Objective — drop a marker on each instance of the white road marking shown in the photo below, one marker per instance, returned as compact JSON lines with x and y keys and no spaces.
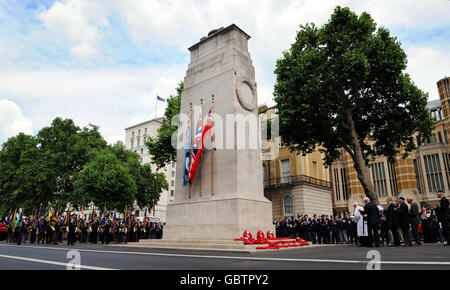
{"x":245,"y":258}
{"x":52,"y":262}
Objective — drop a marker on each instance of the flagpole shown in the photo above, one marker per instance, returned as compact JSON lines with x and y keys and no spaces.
{"x":190,"y":148}
{"x":201,"y":142}
{"x":213,"y":149}
{"x":156,"y":110}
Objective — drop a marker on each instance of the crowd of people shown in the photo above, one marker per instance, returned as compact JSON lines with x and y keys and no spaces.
{"x":76,"y":229}
{"x":372,"y":225}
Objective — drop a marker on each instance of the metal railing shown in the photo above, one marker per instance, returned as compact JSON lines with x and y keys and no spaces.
{"x":294,"y":180}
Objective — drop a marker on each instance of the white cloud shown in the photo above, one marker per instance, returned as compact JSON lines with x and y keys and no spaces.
{"x":273,"y":26}
{"x":427,"y":65}
{"x":116,"y":97}
{"x":77,"y":23}
{"x":114,"y":139}
{"x":12,"y":121}
{"x":109,"y":98}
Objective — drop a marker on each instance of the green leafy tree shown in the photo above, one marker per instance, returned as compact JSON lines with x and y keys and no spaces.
{"x":25,"y":174}
{"x":149,"y":184}
{"x":160,"y":148}
{"x":68,"y":148}
{"x":343,"y":86}
{"x":106,"y":182}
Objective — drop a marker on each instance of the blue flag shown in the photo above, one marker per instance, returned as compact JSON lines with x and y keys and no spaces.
{"x":187,"y":148}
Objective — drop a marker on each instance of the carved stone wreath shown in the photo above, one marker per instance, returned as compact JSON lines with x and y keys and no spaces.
{"x":243,"y":87}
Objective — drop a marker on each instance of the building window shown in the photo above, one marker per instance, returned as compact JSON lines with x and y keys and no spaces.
{"x":432,"y":140}
{"x":379,"y":179}
{"x":173,"y":164}
{"x":315,"y":171}
{"x":434,"y":173}
{"x":132,"y":134}
{"x":145,"y":130}
{"x":142,"y":151}
{"x":392,"y":179}
{"x":173,"y":173}
{"x":446,"y":158}
{"x":440,"y":137}
{"x":344,"y":183}
{"x":138,"y":142}
{"x":288,"y":205}
{"x":445,"y":136}
{"x":416,"y":170}
{"x":285,"y":171}
{"x":139,"y":132}
{"x":337,"y":188}
{"x":172,"y":183}
{"x":172,"y":193}
{"x":132,"y":143}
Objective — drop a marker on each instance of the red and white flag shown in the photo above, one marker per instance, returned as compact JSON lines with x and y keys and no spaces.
{"x":199,"y":141}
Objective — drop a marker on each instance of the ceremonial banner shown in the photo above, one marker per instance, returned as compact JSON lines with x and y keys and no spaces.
{"x":19,"y":220}
{"x":199,"y":142}
{"x":187,"y":148}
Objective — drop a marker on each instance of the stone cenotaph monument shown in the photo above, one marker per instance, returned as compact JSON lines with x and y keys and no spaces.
{"x":227,"y":195}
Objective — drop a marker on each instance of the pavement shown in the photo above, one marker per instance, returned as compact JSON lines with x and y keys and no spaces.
{"x":110,"y":257}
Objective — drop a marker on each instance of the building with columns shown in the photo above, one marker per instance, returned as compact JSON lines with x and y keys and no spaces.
{"x":294,"y":183}
{"x":421,"y":175}
{"x":135,"y":137}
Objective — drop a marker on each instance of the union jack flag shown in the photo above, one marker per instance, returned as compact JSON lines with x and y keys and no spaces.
{"x":187,"y":148}
{"x":198,"y":144}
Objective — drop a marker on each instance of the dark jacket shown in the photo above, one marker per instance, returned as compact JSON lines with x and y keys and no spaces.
{"x":414,"y":214}
{"x":373,"y":213}
{"x":389,"y":213}
{"x":402,"y":210}
{"x":442,"y":210}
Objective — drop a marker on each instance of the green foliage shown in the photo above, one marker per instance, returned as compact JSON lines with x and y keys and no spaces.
{"x":67,"y":148}
{"x":106,"y":182}
{"x":64,"y":163}
{"x":160,"y":148}
{"x":342,"y":86}
{"x":348,"y":65}
{"x":149,"y":186}
{"x":25,"y":175}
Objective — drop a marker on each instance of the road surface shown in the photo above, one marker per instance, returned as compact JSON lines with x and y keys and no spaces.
{"x":339,"y":257}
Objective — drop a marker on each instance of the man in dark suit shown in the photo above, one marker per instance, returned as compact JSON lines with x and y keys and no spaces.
{"x":443,"y":215}
{"x":391,"y":223}
{"x":71,"y":232}
{"x":373,"y":222}
{"x":414,"y":220}
{"x":403,"y":220}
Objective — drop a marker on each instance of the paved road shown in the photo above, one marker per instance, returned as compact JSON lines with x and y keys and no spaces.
{"x":341,"y":257}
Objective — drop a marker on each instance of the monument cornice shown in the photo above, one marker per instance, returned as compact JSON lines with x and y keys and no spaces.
{"x":218,"y":32}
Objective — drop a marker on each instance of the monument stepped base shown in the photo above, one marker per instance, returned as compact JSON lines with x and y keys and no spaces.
{"x":197,"y":244}
{"x":193,"y":244}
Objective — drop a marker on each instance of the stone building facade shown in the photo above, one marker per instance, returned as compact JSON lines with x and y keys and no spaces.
{"x":135,"y":137}
{"x":421,"y":175}
{"x":294,"y":183}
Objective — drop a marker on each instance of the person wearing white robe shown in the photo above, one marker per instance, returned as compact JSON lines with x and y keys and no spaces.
{"x":361,"y":226}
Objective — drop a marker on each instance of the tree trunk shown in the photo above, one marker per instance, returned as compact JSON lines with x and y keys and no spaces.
{"x":358,"y":161}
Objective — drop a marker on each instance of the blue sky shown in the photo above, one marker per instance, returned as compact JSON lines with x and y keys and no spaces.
{"x":104,"y":61}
